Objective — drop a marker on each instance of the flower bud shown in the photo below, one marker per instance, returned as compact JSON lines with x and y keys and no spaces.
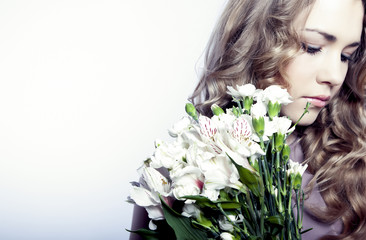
{"x":279,"y":141}
{"x":295,"y":172}
{"x":286,"y":152}
{"x":258,"y":125}
{"x":273,"y":109}
{"x":254,"y":163}
{"x":248,"y":101}
{"x":216,"y":110}
{"x":235,"y":112}
{"x":191,"y":111}
{"x":297,"y":181}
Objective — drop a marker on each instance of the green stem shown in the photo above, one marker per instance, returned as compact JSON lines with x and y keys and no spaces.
{"x":251,"y":211}
{"x":239,"y":105}
{"x":303,"y":114}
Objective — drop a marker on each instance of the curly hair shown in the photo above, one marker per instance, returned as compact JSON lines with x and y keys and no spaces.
{"x":335,"y":147}
{"x":253,"y":43}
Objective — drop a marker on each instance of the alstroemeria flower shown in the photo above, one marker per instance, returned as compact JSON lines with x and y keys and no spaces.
{"x":219,"y":173}
{"x":167,"y":154}
{"x":156,"y":181}
{"x":180,"y":126}
{"x":187,"y":181}
{"x":189,"y":184}
{"x":242,"y":130}
{"x":148,"y":196}
{"x":149,"y":200}
{"x":211,"y":194}
{"x":208,"y":128}
{"x":237,"y":143}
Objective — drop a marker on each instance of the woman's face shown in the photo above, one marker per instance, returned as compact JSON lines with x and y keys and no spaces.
{"x":329,"y":36}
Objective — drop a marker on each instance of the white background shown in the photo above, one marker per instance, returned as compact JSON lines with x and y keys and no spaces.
{"x":86,"y":86}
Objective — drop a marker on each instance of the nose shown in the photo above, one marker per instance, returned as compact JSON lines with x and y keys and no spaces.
{"x":332,"y":70}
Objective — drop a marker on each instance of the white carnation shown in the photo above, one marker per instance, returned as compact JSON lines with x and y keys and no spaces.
{"x":246,"y":90}
{"x":259,"y":110}
{"x":275,"y":93}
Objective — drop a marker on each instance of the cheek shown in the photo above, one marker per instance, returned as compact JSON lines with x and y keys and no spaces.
{"x":299,"y":73}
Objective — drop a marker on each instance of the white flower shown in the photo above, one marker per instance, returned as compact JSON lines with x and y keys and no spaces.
{"x":246,"y":90}
{"x":147,"y":194}
{"x":224,"y":121}
{"x":211,"y":194}
{"x":188,"y":181}
{"x":296,"y":168}
{"x":190,"y":210}
{"x":239,"y":151}
{"x":180,"y":126}
{"x":258,"y":95}
{"x":227,"y":236}
{"x":149,"y":200}
{"x":166,"y":155}
{"x":259,"y":110}
{"x":233,"y":137}
{"x":225,"y":224}
{"x":279,"y":124}
{"x":219,"y":173}
{"x":152,"y":226}
{"x":275,"y":93}
{"x":156,"y":181}
{"x":208,"y":127}
{"x":241,"y":130}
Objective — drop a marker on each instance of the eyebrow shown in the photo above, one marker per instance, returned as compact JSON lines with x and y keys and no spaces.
{"x":330,"y":37}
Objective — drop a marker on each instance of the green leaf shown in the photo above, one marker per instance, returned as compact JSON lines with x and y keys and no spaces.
{"x":181,"y":225}
{"x":254,"y":238}
{"x":229,"y":205}
{"x":204,"y":201}
{"x":277,"y":219}
{"x":251,"y":179}
{"x":201,"y":201}
{"x":146,"y":234}
{"x":307,"y":230}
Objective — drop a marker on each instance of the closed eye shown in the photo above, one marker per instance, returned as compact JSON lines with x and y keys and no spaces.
{"x":345,"y":58}
{"x":310,"y":49}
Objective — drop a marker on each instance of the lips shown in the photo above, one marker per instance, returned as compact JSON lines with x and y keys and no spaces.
{"x":318,"y":101}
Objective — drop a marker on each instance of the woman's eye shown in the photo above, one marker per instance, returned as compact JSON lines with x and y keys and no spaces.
{"x":310,"y":49}
{"x":345,"y":58}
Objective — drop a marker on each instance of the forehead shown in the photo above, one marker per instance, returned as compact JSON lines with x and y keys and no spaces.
{"x":340,"y":18}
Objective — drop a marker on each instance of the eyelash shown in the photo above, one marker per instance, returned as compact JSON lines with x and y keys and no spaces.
{"x":314,"y":50}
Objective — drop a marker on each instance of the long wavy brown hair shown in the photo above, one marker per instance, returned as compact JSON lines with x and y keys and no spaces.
{"x":253,"y":42}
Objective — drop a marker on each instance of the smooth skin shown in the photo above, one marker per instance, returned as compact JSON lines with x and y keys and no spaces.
{"x":330,"y":35}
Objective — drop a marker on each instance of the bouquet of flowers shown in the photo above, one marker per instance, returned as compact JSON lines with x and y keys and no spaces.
{"x":225,"y":177}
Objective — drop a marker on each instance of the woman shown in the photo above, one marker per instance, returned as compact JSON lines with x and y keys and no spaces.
{"x":315,"y":49}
